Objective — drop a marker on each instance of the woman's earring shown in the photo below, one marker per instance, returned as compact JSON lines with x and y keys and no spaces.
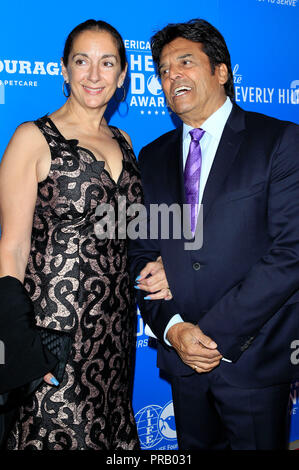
{"x":66,"y":84}
{"x":124,"y":107}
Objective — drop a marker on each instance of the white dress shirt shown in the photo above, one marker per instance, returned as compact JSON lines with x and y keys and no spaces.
{"x":213,"y":128}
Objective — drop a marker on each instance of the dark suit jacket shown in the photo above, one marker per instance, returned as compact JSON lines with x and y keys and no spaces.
{"x":241,"y":287}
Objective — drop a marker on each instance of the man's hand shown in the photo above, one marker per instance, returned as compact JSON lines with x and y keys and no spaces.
{"x":156,"y":282}
{"x":194,"y":348}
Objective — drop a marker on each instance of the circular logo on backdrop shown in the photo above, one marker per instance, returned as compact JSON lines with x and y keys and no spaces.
{"x":154,"y":85}
{"x":167,"y":422}
{"x":155,"y":423}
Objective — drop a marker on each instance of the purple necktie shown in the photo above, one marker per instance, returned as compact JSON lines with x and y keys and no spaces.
{"x":192,"y":175}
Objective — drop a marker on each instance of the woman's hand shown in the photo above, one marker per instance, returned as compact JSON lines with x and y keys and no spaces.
{"x":50,"y":379}
{"x":153,"y":279}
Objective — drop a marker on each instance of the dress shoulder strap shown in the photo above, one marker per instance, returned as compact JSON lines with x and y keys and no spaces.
{"x":50,"y":134}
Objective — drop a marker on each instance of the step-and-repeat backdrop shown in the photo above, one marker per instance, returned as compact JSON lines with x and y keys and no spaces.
{"x":262,"y":36}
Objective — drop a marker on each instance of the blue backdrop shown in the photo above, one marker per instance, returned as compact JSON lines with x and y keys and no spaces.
{"x":262,"y":36}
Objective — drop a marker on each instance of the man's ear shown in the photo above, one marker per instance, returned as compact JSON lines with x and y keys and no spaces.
{"x":222,"y":73}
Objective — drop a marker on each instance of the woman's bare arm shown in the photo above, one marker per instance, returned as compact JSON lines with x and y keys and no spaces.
{"x":18,"y":190}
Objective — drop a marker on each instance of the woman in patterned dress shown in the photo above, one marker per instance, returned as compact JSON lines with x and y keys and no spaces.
{"x":54,"y":174}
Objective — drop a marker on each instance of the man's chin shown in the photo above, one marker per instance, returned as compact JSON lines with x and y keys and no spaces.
{"x":178,"y":110}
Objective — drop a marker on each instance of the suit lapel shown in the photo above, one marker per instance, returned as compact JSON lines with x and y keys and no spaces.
{"x":232,"y":137}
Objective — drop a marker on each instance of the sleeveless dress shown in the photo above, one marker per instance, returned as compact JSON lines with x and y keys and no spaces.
{"x":79,"y":283}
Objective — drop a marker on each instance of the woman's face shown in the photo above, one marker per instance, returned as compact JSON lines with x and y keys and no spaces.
{"x":94,"y":69}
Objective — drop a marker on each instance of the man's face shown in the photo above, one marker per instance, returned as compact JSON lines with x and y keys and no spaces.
{"x":192,"y":91}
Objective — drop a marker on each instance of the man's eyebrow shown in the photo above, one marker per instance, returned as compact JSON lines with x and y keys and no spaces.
{"x":184,"y":56}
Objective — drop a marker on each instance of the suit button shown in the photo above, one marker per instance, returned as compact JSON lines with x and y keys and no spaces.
{"x":196,"y":266}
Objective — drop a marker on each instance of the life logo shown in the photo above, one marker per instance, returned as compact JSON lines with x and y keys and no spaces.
{"x":155,"y":423}
{"x":146,"y":94}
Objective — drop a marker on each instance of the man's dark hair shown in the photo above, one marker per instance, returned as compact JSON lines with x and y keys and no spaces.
{"x":94,"y":25}
{"x":197,"y":30}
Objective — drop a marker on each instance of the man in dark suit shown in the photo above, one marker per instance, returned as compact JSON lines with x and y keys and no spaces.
{"x":227,"y":337}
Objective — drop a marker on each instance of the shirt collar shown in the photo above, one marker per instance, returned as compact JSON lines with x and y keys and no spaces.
{"x":214,"y":125}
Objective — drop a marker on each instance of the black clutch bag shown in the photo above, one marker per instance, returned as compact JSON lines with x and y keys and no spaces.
{"x":30,"y":352}
{"x":59,"y":344}
{"x":27,"y":352}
